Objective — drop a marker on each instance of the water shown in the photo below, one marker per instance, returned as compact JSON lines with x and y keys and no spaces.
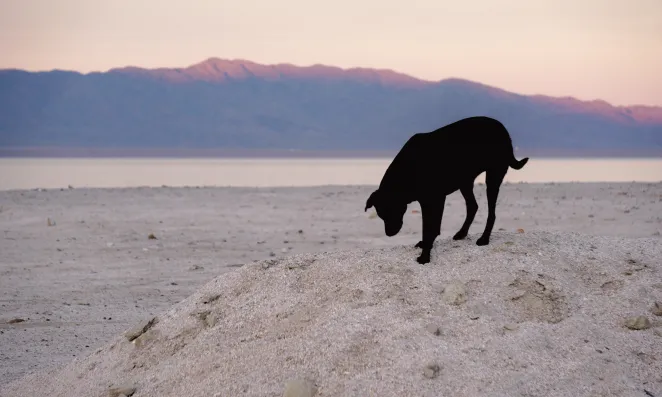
{"x":49,"y":173}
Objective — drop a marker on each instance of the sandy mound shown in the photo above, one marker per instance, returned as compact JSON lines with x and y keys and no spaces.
{"x":531,"y":314}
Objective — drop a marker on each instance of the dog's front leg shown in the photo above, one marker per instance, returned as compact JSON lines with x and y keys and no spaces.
{"x":432,"y":212}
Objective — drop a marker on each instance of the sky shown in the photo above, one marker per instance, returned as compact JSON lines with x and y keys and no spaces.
{"x":588,"y":49}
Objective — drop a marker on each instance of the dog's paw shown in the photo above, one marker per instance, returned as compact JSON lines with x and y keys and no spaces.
{"x":419,"y":244}
{"x":483,"y":241}
{"x":423,"y":258}
{"x":460,"y":235}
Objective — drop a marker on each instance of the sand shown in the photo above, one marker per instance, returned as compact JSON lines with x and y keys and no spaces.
{"x":354,"y":312}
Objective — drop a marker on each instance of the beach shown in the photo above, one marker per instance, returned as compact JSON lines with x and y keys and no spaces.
{"x":81,"y":266}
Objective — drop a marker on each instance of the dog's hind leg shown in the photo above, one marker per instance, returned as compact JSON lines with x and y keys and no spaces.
{"x":432,"y":212}
{"x":472,"y":207}
{"x":493,"y":179}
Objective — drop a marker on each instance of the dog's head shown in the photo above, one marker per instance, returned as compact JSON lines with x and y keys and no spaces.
{"x":389,"y":209}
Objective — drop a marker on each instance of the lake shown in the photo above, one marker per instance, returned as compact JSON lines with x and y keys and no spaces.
{"x":49,"y":173}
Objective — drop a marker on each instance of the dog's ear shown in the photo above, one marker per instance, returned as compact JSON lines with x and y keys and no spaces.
{"x":371,"y":200}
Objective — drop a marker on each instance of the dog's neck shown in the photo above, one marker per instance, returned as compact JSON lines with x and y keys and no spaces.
{"x":400,"y":190}
{"x":399,"y":179}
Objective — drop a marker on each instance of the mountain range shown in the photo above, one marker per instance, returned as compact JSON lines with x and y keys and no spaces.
{"x":238,"y":104}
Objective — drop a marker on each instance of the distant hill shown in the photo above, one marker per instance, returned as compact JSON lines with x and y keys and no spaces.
{"x":240,"y":104}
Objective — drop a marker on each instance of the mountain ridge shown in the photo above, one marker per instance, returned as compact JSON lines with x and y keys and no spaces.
{"x":242,"y":69}
{"x":386,"y":75}
{"x":239,"y":103}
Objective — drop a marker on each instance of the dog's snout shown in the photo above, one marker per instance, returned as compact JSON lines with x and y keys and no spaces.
{"x":392,"y":230}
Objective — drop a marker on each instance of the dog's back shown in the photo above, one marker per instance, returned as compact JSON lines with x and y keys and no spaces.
{"x":475,"y":139}
{"x":453,"y":153}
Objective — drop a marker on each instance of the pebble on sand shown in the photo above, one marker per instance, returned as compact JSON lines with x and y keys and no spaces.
{"x":126,"y":391}
{"x":433,"y":329}
{"x":657,"y":309}
{"x":140,"y":329}
{"x":431,"y":371}
{"x":455,"y":293}
{"x":510,"y":327}
{"x":208,"y":318}
{"x":637,"y":323}
{"x":300,"y":388}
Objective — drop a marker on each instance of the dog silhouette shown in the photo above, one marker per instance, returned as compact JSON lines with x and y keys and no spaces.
{"x":432,"y":165}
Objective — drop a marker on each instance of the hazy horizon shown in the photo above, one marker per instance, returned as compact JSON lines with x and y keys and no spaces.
{"x":606,"y":49}
{"x":59,"y":173}
{"x":71,"y":152}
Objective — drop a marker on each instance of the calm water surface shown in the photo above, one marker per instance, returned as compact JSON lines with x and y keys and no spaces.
{"x":48,"y":173}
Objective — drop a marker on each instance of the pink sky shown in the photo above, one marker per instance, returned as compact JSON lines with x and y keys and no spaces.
{"x":590,"y":49}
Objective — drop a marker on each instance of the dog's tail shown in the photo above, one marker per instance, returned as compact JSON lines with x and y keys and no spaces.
{"x":518,"y":164}
{"x":513,"y":162}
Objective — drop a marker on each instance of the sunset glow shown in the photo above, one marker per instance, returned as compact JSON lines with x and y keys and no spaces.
{"x":593,"y":49}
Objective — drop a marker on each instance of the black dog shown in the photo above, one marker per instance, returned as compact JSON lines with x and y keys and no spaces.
{"x":432,"y":165}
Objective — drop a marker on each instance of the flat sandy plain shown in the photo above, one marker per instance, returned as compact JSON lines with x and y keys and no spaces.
{"x":78,"y":268}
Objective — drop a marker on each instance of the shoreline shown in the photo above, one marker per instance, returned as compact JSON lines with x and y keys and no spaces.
{"x":36,"y":174}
